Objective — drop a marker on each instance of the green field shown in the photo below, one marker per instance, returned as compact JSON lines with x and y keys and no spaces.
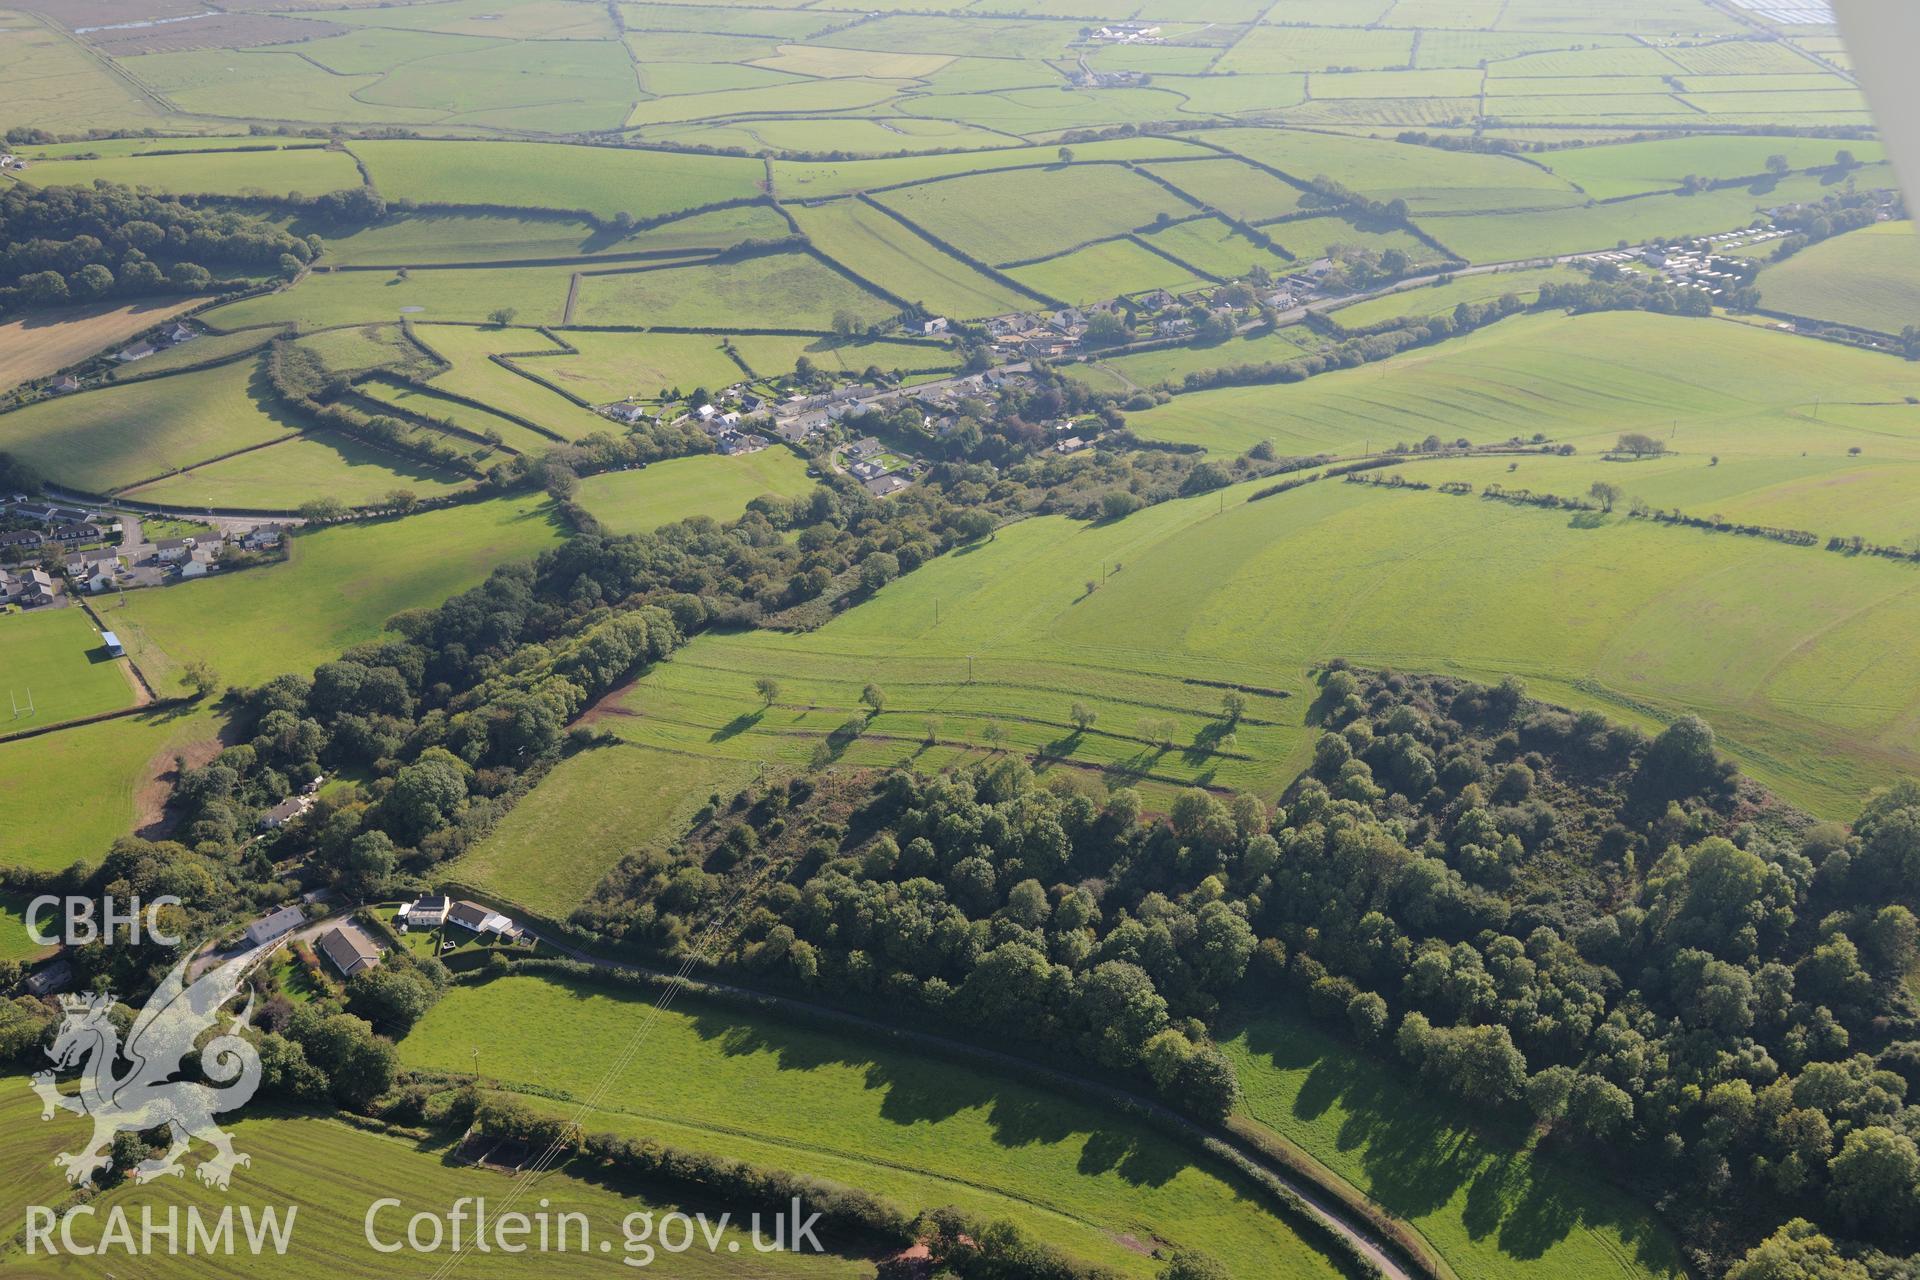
{"x":1442,"y":298}
{"x":593,"y":809}
{"x":1430,"y":181}
{"x":1025,"y":214}
{"x":1418,"y":580}
{"x":1170,"y":365}
{"x":328,"y":299}
{"x":66,"y":796}
{"x":321,"y":465}
{"x":1215,"y":247}
{"x":56,"y":655}
{"x":602,"y":181}
{"x":1869,"y":278}
{"x":1639,"y":167}
{"x":372,"y":346}
{"x":1075,"y":1176}
{"x":1479,"y":1195}
{"x":338,"y":589}
{"x":708,"y":485}
{"x":103,"y":440}
{"x":881,"y":250}
{"x":785,"y":290}
{"x":817,"y":179}
{"x":308,"y":171}
{"x":334,"y":1172}
{"x":475,"y":375}
{"x":1104,"y":270}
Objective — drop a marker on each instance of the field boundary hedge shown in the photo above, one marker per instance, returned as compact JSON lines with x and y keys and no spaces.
{"x":953,"y":251}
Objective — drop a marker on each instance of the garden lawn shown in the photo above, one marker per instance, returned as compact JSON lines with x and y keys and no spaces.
{"x":339,"y":588}
{"x":1486,"y":1202}
{"x":590,"y":811}
{"x":825,"y":1103}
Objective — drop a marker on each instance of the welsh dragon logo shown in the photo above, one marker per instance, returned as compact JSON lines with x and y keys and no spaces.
{"x":144,"y":1096}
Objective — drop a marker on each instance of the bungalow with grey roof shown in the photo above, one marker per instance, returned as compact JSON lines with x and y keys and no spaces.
{"x":349,"y":951}
{"x":275,"y":924}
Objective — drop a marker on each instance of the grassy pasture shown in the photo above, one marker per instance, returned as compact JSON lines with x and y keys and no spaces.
{"x":228,"y":173}
{"x":42,"y":343}
{"x":614,"y":366}
{"x":429,"y":404}
{"x":327,"y":299}
{"x":511,"y":85}
{"x":1237,"y":190}
{"x":369,"y":346}
{"x":1869,"y":278}
{"x":1003,"y":217}
{"x":1429,"y":180}
{"x":535,"y":175}
{"x":1486,"y":1202}
{"x":56,"y":654}
{"x":348,"y":580}
{"x":899,"y":133}
{"x":49,"y":82}
{"x":242,"y":84}
{"x":284,"y":475}
{"x":1412,"y":582}
{"x":66,"y":796}
{"x":1509,"y":237}
{"x":1103,"y":270}
{"x":1635,"y":168}
{"x":707,"y":485}
{"x":1318,"y":49}
{"x":880,"y":249}
{"x":1171,"y":364}
{"x":786,"y":290}
{"x":426,"y":239}
{"x":529,"y":19}
{"x":105,"y":439}
{"x":334,"y":1171}
{"x":1441,"y":299}
{"x":818,"y":179}
{"x":791,"y":98}
{"x":592,"y":810}
{"x":1071,"y":1174}
{"x":474,"y":375}
{"x":1216,"y":247}
{"x":1581,"y":380}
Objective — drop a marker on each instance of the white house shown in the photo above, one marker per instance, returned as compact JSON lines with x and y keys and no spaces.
{"x":275,"y":924}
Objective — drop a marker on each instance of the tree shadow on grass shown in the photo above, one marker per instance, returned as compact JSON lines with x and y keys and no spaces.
{"x":924,"y":1089}
{"x":738,"y":725}
{"x":1418,"y":1153}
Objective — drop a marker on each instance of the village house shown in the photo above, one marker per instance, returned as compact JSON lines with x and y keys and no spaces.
{"x":428,"y":911}
{"x":867,"y":470}
{"x":881,"y":486}
{"x":180,"y":333}
{"x":865,"y":447}
{"x":261,"y":538}
{"x":65,"y":383}
{"x":174,"y":550}
{"x":199,"y":565}
{"x":76,"y":533}
{"x":479,"y":919}
{"x":34,"y":589}
{"x":348,"y":951}
{"x":137,"y":351}
{"x":50,"y":979}
{"x":275,"y":924}
{"x":936,"y":325}
{"x":284,"y":812}
{"x":21,"y":542}
{"x":1072,"y":444}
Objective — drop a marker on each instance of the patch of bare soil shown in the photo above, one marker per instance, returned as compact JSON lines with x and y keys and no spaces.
{"x":151,"y":821}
